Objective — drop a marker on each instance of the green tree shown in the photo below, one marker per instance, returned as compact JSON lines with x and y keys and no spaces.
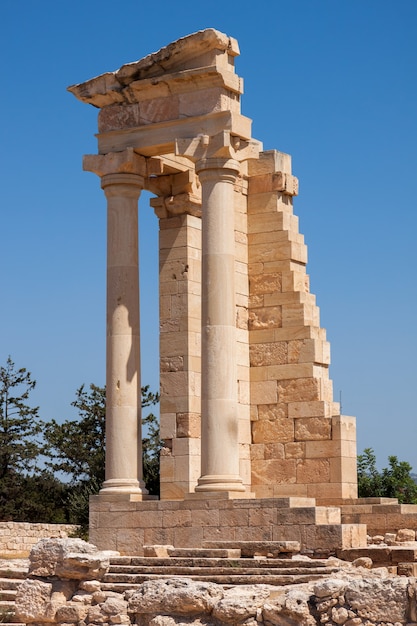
{"x":77,"y":448}
{"x":394,"y":481}
{"x":20,"y":425}
{"x":369,"y":478}
{"x":34,"y":498}
{"x":398,"y":482}
{"x":28,"y":493}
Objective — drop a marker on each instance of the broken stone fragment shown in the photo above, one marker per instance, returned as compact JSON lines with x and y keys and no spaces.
{"x":330,"y":588}
{"x":291,"y":608}
{"x":68,"y":559}
{"x":240,"y":603}
{"x":181,"y":595}
{"x":378,"y":599}
{"x":405,"y":535}
{"x":71,"y":612}
{"x":363,"y":561}
{"x":161,"y":551}
{"x":33,"y":602}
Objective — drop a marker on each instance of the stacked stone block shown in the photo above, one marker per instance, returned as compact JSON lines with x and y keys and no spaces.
{"x":381,"y":515}
{"x":180,"y":351}
{"x":18,"y":538}
{"x":300,"y":444}
{"x":242,"y":332}
{"x":127,"y":526}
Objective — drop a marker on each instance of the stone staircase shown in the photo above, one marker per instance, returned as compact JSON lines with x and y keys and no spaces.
{"x":234,"y":563}
{"x":222,"y":566}
{"x":12,"y":572}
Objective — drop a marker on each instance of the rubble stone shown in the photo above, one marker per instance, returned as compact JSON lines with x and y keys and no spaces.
{"x":182,"y":596}
{"x":67,"y":558}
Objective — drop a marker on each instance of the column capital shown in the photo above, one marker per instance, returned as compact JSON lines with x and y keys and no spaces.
{"x":223,"y":147}
{"x":177,"y":194}
{"x":226,"y":170}
{"x":125,"y":162}
{"x":128,"y":185}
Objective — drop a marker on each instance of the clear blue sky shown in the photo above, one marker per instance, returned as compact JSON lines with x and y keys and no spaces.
{"x":332,"y":82}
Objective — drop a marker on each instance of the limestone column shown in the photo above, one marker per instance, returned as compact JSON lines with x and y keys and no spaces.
{"x":219,"y":422}
{"x":122,"y":179}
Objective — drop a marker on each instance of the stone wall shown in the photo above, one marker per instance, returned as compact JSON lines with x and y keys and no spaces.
{"x":301,"y":445}
{"x":18,"y":538}
{"x":381,"y":515}
{"x":120,"y":523}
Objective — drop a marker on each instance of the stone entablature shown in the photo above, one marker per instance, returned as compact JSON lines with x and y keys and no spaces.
{"x":247,"y":404}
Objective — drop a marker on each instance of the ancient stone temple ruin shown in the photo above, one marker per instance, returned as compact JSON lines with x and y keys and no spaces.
{"x":255,"y":446}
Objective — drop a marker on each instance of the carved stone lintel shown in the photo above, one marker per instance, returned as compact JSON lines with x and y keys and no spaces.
{"x":175,"y":184}
{"x":287,"y":184}
{"x":177,"y":194}
{"x":180,"y":204}
{"x":223,"y":145}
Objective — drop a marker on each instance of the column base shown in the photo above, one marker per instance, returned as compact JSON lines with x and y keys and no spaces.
{"x":220,"y":495}
{"x":220,"y":487}
{"x":219,"y":483}
{"x":115,"y":486}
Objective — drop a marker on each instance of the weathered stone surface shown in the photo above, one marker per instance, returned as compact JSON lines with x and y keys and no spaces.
{"x":363,"y":561}
{"x":182,"y":596}
{"x":240,"y":603}
{"x":67,"y":558}
{"x":269,"y":317}
{"x":406,"y":534}
{"x":90,"y":586}
{"x":33,"y":602}
{"x":347,"y":598}
{"x":339,"y":614}
{"x":329,"y":588}
{"x":114,"y":606}
{"x":262,"y":354}
{"x":379,"y":600}
{"x":95,"y":615}
{"x":71,"y":612}
{"x":289,"y":609}
{"x":267,"y":431}
{"x":157,"y":550}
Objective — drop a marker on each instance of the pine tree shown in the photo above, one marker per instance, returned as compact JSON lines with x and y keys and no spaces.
{"x":77,"y":448}
{"x":20,"y":446}
{"x":19,"y":423}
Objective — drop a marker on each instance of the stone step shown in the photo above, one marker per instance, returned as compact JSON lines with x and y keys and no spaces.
{"x":12,"y":572}
{"x":9,"y":583}
{"x":133,"y":574}
{"x":206,"y":553}
{"x":407,"y":569}
{"x":125,"y":563}
{"x":7,"y":594}
{"x":7,"y":612}
{"x":230,"y":579}
{"x":9,"y":572}
{"x":381,"y":555}
{"x":259,"y":548}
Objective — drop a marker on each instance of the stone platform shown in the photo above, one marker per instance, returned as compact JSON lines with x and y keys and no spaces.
{"x":381,"y":515}
{"x":118,"y":522}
